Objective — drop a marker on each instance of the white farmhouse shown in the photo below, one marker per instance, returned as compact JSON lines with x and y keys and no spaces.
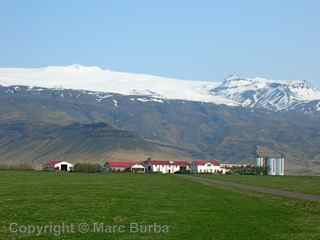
{"x":166,"y":166}
{"x":63,"y":166}
{"x":207,"y":166}
{"x":137,"y":168}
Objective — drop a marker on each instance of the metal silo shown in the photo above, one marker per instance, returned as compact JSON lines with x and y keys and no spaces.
{"x":280,"y":166}
{"x":260,"y":162}
{"x":272,"y":166}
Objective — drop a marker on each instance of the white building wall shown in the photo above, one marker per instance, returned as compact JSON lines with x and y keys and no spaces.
{"x":69,"y":166}
{"x":165,"y":168}
{"x":207,"y":168}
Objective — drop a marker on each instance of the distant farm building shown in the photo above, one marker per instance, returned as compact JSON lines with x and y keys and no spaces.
{"x":63,"y":166}
{"x":207,"y":166}
{"x":137,"y":168}
{"x":163,"y":166}
{"x":119,"y":166}
{"x":232,"y":165}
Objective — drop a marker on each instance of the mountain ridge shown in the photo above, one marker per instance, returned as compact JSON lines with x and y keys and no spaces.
{"x":273,"y":95}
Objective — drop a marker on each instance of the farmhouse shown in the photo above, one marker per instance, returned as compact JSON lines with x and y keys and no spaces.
{"x":119,"y":166}
{"x":166,"y":166}
{"x":207,"y":166}
{"x":63,"y":166}
{"x":137,"y":168}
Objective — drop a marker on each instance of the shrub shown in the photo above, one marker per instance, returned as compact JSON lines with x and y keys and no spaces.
{"x":249,"y":170}
{"x":17,"y":167}
{"x":87,"y":167}
{"x":183,"y":172}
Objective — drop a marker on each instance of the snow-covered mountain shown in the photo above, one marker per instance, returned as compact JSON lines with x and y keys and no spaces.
{"x":233,"y":91}
{"x":270,"y":94}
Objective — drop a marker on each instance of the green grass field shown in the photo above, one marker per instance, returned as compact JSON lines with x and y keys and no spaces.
{"x":304,"y":184}
{"x":190,"y":210}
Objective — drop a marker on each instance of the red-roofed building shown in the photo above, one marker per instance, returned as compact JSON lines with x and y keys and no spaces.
{"x":207,"y":166}
{"x":119,"y":166}
{"x":165,"y":166}
{"x":51,"y":164}
{"x":125,"y":167}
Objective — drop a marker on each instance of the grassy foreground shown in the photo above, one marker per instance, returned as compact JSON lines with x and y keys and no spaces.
{"x":190,"y":210}
{"x":303,"y":184}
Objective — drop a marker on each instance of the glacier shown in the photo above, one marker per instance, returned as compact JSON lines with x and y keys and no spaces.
{"x":274,"y":95}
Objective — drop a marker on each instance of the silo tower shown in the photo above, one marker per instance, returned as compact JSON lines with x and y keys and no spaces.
{"x":262,"y":156}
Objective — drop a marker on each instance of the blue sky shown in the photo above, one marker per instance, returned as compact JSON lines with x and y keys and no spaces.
{"x":203,"y":39}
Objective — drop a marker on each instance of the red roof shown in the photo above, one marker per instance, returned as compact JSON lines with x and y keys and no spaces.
{"x":182,"y":163}
{"x":120,"y":164}
{"x":203,"y":162}
{"x":157,"y":162}
{"x":51,"y":163}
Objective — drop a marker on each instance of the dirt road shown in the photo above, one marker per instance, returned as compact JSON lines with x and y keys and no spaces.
{"x":248,"y":188}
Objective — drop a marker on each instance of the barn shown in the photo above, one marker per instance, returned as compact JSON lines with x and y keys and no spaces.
{"x":119,"y":166}
{"x":63,"y":166}
{"x":137,"y":168}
